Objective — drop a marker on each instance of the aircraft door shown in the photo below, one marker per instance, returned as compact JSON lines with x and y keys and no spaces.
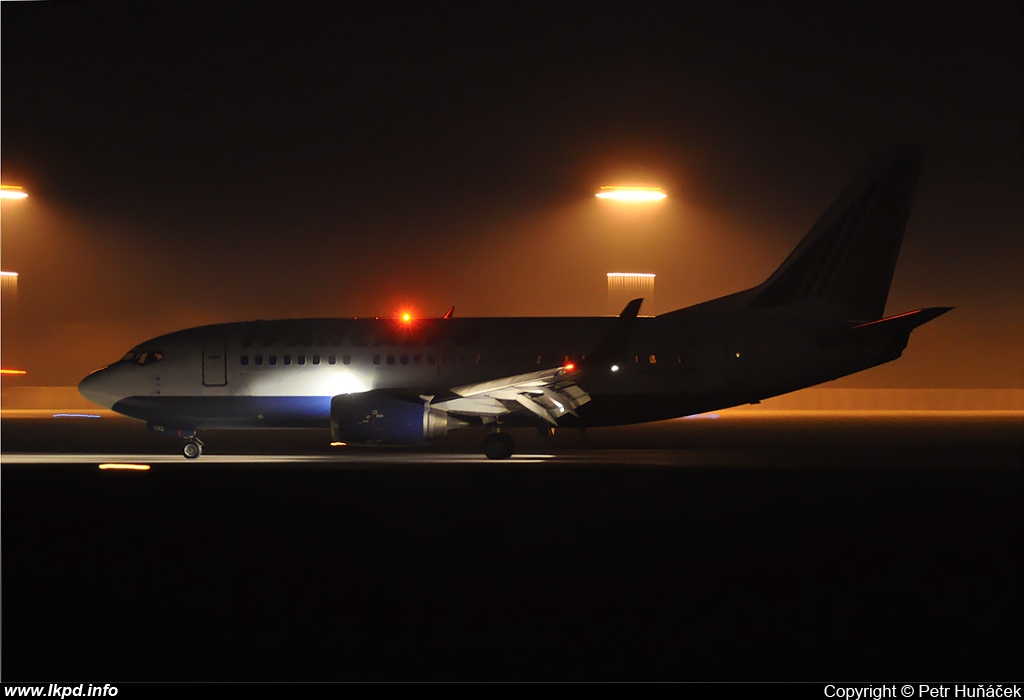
{"x":215,"y":368}
{"x":445,"y":361}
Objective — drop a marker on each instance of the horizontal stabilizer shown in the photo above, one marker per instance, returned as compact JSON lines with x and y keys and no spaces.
{"x":907,"y":321}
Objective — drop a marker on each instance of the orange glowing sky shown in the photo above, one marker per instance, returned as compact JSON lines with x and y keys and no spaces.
{"x":222,"y":166}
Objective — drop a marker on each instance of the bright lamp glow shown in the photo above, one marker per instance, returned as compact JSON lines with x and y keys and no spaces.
{"x":12,"y":192}
{"x":631,"y":194}
{"x":12,"y":371}
{"x":126,"y":467}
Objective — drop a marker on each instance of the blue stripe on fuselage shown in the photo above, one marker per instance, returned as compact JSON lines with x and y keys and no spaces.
{"x":229,"y":411}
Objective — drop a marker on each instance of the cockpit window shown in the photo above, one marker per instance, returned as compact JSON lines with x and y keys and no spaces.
{"x":146,"y":357}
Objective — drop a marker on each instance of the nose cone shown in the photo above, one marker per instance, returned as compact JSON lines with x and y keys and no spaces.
{"x":97,"y":387}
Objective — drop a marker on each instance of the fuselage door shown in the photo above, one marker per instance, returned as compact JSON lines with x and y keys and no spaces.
{"x":215,"y":368}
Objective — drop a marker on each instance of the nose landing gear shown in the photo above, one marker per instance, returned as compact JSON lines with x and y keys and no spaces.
{"x":193,"y":445}
{"x":193,"y":448}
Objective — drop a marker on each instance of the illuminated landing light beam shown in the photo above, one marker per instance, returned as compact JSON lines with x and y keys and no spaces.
{"x":17,"y":372}
{"x":12,"y":192}
{"x":631,"y":194}
{"x":125,"y":467}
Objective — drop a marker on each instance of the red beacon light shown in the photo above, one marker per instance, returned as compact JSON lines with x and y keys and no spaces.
{"x":569,"y":366}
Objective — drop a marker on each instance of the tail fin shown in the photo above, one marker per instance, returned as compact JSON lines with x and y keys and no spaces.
{"x":845,"y":262}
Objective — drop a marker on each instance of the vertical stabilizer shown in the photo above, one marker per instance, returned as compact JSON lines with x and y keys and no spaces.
{"x":845,"y":262}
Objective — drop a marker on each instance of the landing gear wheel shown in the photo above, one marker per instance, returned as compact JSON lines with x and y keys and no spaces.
{"x":499,"y":446}
{"x":192,"y":449}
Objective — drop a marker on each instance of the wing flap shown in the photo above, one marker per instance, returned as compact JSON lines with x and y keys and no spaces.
{"x":548,"y":394}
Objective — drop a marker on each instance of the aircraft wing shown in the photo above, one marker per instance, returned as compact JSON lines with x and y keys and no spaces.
{"x":549,"y":394}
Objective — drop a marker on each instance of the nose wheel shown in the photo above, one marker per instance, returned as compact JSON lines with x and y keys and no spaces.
{"x":193,"y":448}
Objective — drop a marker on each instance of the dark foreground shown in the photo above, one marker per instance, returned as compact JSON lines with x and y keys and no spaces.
{"x":740,"y":549}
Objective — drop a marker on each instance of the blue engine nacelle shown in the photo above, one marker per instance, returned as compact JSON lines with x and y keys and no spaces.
{"x":376,"y":417}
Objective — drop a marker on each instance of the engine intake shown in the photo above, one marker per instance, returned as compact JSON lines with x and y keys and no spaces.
{"x":376,"y":417}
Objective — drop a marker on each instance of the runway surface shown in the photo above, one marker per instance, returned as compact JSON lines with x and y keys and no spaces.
{"x":786,"y":547}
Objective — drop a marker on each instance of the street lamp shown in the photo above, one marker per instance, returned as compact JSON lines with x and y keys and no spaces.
{"x":12,"y":192}
{"x":9,"y":280}
{"x":629,"y":193}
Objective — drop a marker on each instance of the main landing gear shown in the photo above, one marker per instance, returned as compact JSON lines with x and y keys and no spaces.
{"x":193,"y":448}
{"x":499,"y":446}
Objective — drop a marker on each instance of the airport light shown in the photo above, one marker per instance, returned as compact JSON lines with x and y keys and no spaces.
{"x":12,"y":192}
{"x":126,"y":467}
{"x":15,"y":372}
{"x":8,"y":284}
{"x":626,"y":286}
{"x":624,"y":193}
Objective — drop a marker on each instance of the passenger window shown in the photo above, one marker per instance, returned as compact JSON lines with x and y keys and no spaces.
{"x":243,"y":360}
{"x":141,"y":359}
{"x":416,"y":359}
{"x":259,"y":359}
{"x":538,"y":359}
{"x":345,"y":359}
{"x":301,"y":360}
{"x":128,"y":357}
{"x":331,"y":359}
{"x":376,"y":359}
{"x":431,"y":360}
{"x":316,"y":359}
{"x":287,"y":359}
{"x":273,"y":360}
{"x":391,"y":359}
{"x":652,"y":359}
{"x":404,"y":359}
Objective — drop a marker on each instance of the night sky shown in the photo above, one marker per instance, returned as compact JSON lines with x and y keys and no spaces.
{"x":192,"y":163}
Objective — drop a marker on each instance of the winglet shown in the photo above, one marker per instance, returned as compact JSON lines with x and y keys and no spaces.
{"x":449,"y":312}
{"x":613,"y":344}
{"x":631,"y":309}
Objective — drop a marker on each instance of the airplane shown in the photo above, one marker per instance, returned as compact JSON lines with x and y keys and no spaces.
{"x":818,"y":317}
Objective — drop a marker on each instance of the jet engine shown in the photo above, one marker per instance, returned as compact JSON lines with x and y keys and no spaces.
{"x":377,"y":417}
